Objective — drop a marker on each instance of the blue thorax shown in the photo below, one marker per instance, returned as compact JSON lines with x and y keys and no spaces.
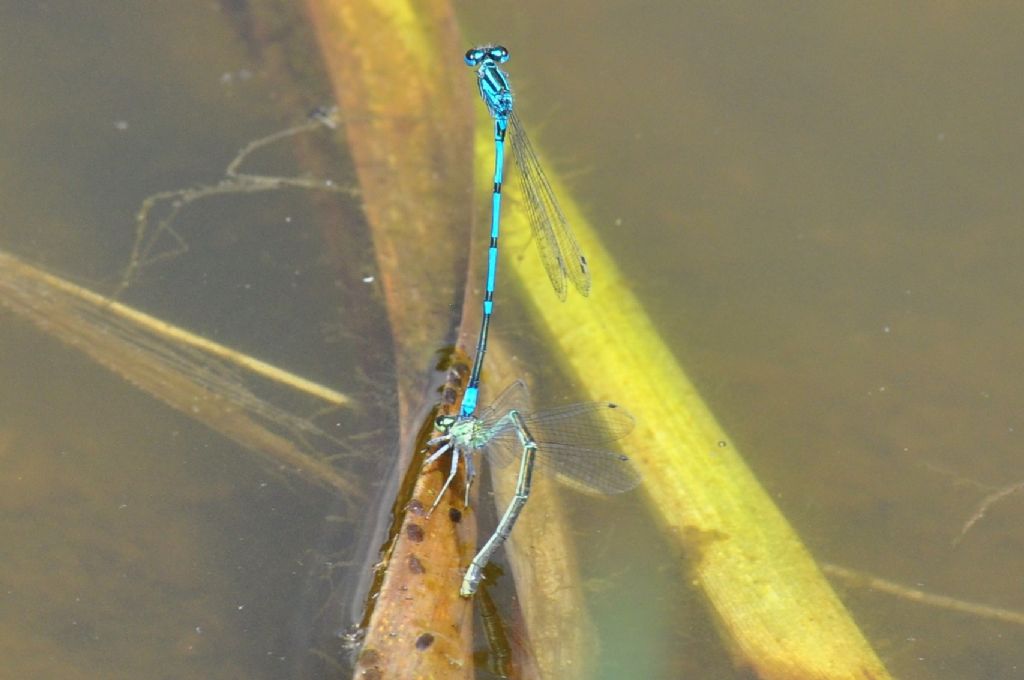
{"x":492,"y":81}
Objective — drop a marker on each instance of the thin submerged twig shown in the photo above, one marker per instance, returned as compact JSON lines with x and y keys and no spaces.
{"x":994,"y":495}
{"x":148,"y":236}
{"x":983,"y":507}
{"x":862,"y":579}
{"x":180,"y":369}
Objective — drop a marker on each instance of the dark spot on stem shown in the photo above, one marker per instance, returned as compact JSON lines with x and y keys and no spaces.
{"x":415,"y":533}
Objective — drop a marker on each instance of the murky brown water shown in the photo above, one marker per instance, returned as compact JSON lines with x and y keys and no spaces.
{"x":818,"y":204}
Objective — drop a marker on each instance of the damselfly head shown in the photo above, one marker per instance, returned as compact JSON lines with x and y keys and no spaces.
{"x":492,"y":53}
{"x":444,"y":423}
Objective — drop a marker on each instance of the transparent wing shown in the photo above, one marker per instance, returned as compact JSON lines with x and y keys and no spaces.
{"x":592,"y":422}
{"x":503,"y":449}
{"x":515,"y":396}
{"x":504,"y":445}
{"x":605,"y":472}
{"x":559,"y":250}
{"x":573,"y":426}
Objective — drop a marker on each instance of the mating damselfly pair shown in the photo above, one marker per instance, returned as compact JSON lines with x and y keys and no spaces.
{"x":559,"y":439}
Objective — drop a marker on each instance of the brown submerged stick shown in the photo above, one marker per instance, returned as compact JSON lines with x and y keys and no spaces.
{"x":407,"y":119}
{"x":406,"y":116}
{"x":419,"y":627}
